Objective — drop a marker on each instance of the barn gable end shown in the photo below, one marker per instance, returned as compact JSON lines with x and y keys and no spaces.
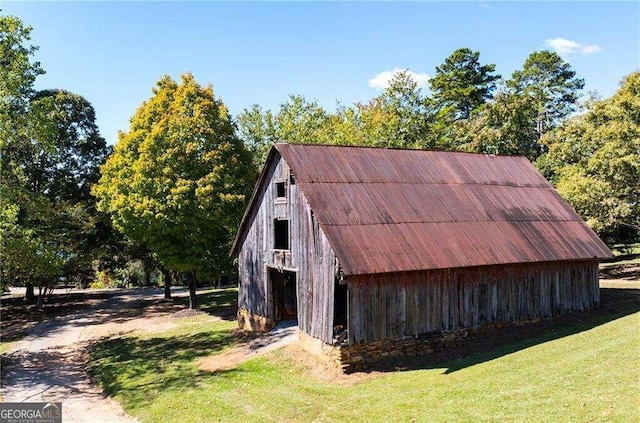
{"x":308,"y":257}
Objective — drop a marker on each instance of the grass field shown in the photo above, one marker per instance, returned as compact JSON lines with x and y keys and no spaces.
{"x":586,"y":371}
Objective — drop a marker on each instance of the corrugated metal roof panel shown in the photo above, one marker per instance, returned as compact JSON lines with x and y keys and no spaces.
{"x":368,"y":203}
{"x":384,"y":248}
{"x":323,"y":163}
{"x":398,"y":210}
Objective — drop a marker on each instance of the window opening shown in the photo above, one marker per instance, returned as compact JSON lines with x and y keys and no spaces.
{"x":281,"y":192}
{"x":281,"y":234}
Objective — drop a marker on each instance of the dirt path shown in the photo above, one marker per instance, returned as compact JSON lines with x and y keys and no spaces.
{"x":620,"y":275}
{"x":48,"y":365}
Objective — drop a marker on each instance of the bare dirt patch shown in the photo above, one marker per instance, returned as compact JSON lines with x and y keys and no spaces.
{"x":315,"y":368}
{"x":188,"y":313}
{"x":255,"y":345}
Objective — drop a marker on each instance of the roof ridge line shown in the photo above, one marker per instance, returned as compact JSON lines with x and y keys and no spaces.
{"x":409,"y":149}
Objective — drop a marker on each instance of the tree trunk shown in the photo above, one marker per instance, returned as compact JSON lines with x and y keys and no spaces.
{"x":192,"y":290}
{"x":147,"y":272}
{"x":29,"y":294}
{"x":166,"y":278}
{"x":40,"y":301}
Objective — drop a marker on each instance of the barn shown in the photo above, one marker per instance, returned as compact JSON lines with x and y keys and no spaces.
{"x":381,"y":252}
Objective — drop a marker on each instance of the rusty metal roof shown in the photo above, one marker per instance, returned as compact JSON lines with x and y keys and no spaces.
{"x":386,"y":210}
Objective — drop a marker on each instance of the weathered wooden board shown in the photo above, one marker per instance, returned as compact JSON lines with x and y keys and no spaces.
{"x":396,"y":305}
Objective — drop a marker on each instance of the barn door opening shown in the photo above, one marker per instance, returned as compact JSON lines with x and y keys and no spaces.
{"x":285,"y":298}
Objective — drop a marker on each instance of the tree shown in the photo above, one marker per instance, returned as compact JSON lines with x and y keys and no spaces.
{"x":297,"y":120}
{"x":61,"y":161}
{"x":257,"y":129}
{"x":500,"y":127}
{"x":17,"y":72}
{"x":461,"y":84}
{"x":301,"y":121}
{"x":58,"y":156}
{"x":178,"y":181}
{"x":399,"y":117}
{"x":552,"y":85}
{"x":594,"y":161}
{"x":24,"y":256}
{"x":533,"y":102}
{"x":66,"y":147}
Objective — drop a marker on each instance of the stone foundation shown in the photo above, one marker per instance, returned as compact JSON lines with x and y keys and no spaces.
{"x":360,"y":356}
{"x":254,"y":322}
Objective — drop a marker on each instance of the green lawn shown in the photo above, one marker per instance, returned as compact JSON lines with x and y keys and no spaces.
{"x":8,"y":345}
{"x":619,"y":250}
{"x":582,"y":372}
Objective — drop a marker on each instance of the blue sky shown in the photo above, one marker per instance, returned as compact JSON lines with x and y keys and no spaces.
{"x":112,"y":53}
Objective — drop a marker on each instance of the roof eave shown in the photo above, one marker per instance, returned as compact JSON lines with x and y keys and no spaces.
{"x":572,"y":260}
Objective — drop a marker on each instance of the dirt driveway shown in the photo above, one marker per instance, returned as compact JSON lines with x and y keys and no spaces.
{"x":49,"y":364}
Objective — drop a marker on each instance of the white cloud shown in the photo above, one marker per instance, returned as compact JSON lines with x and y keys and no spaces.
{"x":381,"y":80}
{"x":566,"y":47}
{"x":591,"y":48}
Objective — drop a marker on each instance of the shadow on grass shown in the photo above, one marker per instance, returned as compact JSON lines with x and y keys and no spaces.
{"x":486,"y":346}
{"x":222,"y":303}
{"x":138,"y":370}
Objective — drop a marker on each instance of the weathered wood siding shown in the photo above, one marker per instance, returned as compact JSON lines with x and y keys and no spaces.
{"x":310,"y":256}
{"x":394,"y":305}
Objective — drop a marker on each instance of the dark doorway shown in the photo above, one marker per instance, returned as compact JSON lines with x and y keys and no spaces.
{"x":340,"y":307}
{"x":285,"y":299}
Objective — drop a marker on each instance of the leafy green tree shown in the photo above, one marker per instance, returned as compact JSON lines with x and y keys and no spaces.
{"x":297,"y":120}
{"x":399,"y":117}
{"x":461,"y":84}
{"x":66,"y":147}
{"x":178,"y":181}
{"x":58,"y":158}
{"x":27,"y":256}
{"x":257,"y":129}
{"x":501,"y":126}
{"x":17,"y":73}
{"x":301,"y":121}
{"x":533,"y":102}
{"x":24,"y":256}
{"x":552,"y":85}
{"x":594,"y":161}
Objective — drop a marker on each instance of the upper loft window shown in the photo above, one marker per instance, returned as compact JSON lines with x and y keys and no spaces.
{"x":281,"y":191}
{"x":280,"y":234}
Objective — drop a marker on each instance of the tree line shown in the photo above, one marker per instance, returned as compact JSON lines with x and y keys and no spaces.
{"x":168,"y":197}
